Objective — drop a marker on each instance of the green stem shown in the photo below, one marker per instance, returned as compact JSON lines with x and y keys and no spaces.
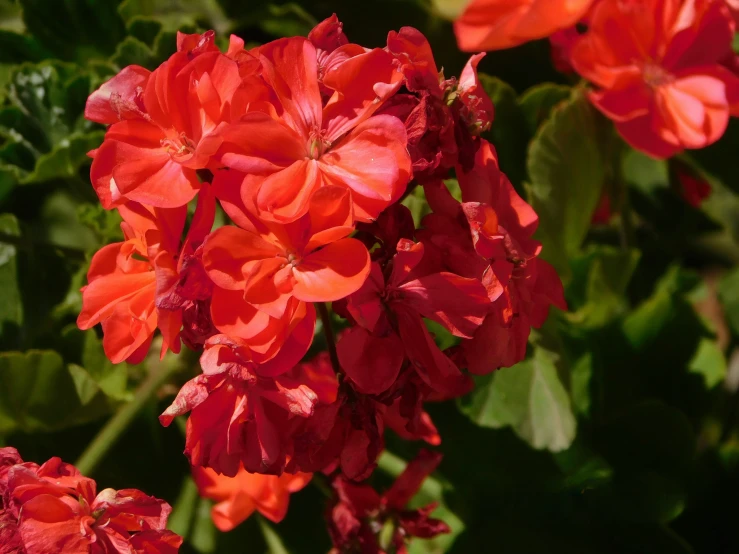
{"x":274,"y":543}
{"x":321,"y":482}
{"x":329,"y":334}
{"x":115,"y":427}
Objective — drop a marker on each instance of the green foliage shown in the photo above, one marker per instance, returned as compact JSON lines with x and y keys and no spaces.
{"x":568,"y":164}
{"x":40,"y":393}
{"x":617,"y":434}
{"x":530,"y":398}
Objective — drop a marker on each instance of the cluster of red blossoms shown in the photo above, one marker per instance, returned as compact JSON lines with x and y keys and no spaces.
{"x":663,"y":70}
{"x":309,"y":145}
{"x":53,"y":508}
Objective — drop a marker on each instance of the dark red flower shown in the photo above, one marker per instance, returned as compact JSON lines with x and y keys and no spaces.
{"x":358,"y":514}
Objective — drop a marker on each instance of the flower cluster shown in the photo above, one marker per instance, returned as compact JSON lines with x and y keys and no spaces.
{"x":308,"y":145}
{"x":53,"y":508}
{"x":663,"y":70}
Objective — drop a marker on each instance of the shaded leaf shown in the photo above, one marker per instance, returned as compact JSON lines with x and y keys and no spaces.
{"x":728,"y":293}
{"x":44,"y":133}
{"x":530,"y":398}
{"x":173,"y":15}
{"x":600,"y":277}
{"x":567,"y":166}
{"x":538,"y":102}
{"x":11,"y":305}
{"x":508,"y":133}
{"x":74,"y":30}
{"x":709,"y":362}
{"x":40,"y":393}
{"x":646,"y":322}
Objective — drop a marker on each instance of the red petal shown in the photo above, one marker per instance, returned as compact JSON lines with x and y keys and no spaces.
{"x":226,"y":251}
{"x":333,"y":272}
{"x":458,"y":303}
{"x":289,"y":65}
{"x":372,"y":363}
{"x":373,"y":161}
{"x":113,"y":101}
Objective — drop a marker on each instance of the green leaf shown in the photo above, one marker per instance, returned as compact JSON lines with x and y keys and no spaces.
{"x":596,"y":293}
{"x":417,"y":204}
{"x":65,"y":160}
{"x":728,"y":293}
{"x":709,"y":362}
{"x":15,"y":48}
{"x":45,"y":135}
{"x":538,"y":102}
{"x":530,"y":398}
{"x":52,"y":95}
{"x":11,"y":305}
{"x":509,"y":133}
{"x":580,"y":377}
{"x":40,"y":393}
{"x":583,"y":469}
{"x":644,"y":172}
{"x":567,"y":167}
{"x":132,"y":51}
{"x":87,"y":388}
{"x":173,"y":15}
{"x":78,"y":30}
{"x":649,"y":318}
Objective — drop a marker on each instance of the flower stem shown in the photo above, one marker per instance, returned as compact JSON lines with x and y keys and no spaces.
{"x":328,"y":332}
{"x":109,"y":435}
{"x":274,"y":543}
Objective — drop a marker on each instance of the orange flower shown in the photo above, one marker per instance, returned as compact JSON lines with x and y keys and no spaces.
{"x":499,"y":24}
{"x":237,"y":497}
{"x":150,"y":280}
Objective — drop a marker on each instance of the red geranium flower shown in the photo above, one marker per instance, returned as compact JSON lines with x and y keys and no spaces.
{"x":310,"y":259}
{"x":388,"y":310}
{"x":657,"y":66}
{"x":291,"y":149}
{"x":149,"y":281}
{"x":241,"y":406}
{"x":239,"y":496}
{"x":163,"y":125}
{"x":359,"y":514}
{"x":53,"y":508}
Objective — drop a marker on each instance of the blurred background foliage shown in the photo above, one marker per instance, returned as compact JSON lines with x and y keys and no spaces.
{"x":619,"y":433}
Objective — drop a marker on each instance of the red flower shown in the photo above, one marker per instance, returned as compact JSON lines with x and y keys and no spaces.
{"x":292,"y":149}
{"x":693,"y":188}
{"x":359,"y":514}
{"x":498,"y":24}
{"x":53,"y":508}
{"x":148,"y":281}
{"x":309,"y":259}
{"x":440,"y":115}
{"x":239,"y":496}
{"x":163,"y":125}
{"x":656,"y":64}
{"x":487,"y":237}
{"x":388,"y":310}
{"x":241,"y":406}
